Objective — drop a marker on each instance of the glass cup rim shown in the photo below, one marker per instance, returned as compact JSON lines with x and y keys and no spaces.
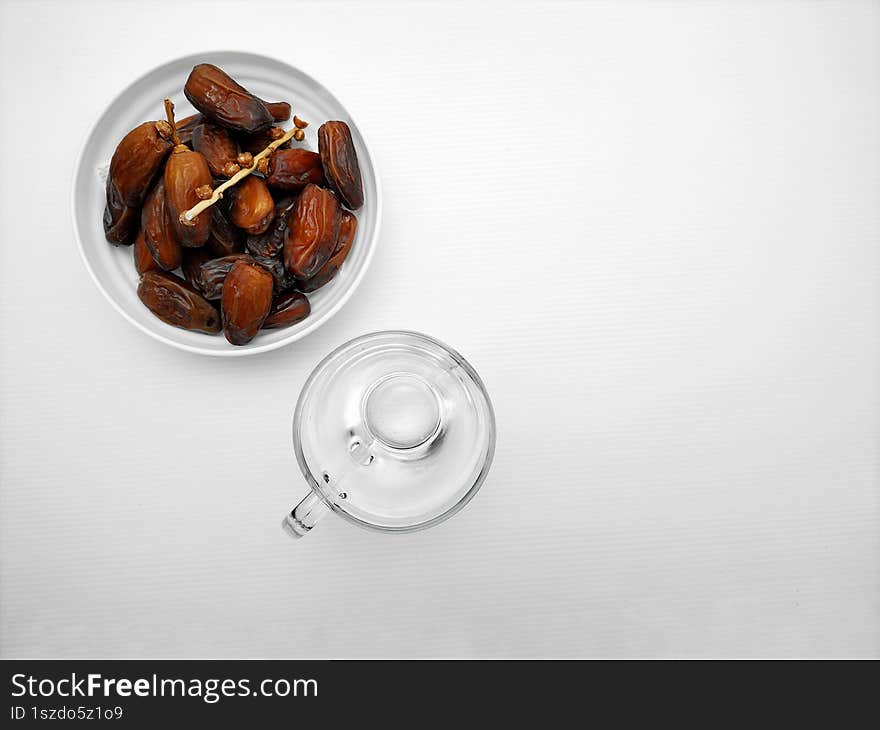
{"x":462,"y":362}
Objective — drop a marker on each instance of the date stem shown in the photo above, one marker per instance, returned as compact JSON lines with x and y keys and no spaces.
{"x":169,"y":115}
{"x":188,"y":216}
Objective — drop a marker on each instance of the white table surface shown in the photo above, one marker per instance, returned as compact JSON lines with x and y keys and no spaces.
{"x":652,"y":227}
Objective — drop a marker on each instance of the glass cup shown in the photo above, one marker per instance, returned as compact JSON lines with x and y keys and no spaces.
{"x":393,"y":431}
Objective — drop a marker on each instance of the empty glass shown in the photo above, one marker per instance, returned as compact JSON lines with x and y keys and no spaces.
{"x":394,"y":431}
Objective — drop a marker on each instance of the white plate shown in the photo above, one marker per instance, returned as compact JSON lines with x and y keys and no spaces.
{"x":112,"y":268}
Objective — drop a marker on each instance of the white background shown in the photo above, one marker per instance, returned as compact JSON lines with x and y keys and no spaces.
{"x":653,"y":228}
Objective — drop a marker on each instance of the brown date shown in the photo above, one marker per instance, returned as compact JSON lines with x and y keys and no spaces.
{"x":225,"y":239}
{"x":225,"y":102}
{"x":348,"y":224}
{"x":287,"y":309}
{"x":185,"y":127}
{"x":271,"y":242}
{"x":293,"y":169}
{"x":340,"y":163}
{"x":137,"y":159}
{"x":311,"y":237}
{"x":344,"y":239}
{"x":143,"y":260}
{"x":218,"y":148}
{"x":247,"y":298}
{"x":256,"y":143}
{"x":158,"y":231}
{"x":120,"y":220}
{"x":282,"y":278}
{"x":212,"y":273}
{"x":193,"y":258}
{"x":186,"y":171}
{"x":250,"y":205}
{"x":280,"y":110}
{"x":176,"y":303}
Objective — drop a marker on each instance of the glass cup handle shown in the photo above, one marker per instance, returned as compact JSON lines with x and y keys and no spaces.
{"x":303,"y":517}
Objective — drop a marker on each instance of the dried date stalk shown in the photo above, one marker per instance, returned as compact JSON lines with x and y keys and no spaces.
{"x":188,"y":216}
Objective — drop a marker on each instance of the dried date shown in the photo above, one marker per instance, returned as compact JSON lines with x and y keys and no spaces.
{"x":344,"y":240}
{"x":218,"y":148}
{"x":340,"y":162}
{"x":246,"y":300}
{"x":120,"y":220}
{"x":193,"y":258}
{"x":224,"y":101}
{"x":280,"y":110}
{"x":185,"y":127}
{"x":176,"y":303}
{"x":143,"y":260}
{"x":251,"y":207}
{"x":311,"y":237}
{"x":271,"y":242}
{"x":224,"y":239}
{"x":212,"y":274}
{"x":287,"y":309}
{"x":256,"y":143}
{"x":185,"y":172}
{"x":292,"y":169}
{"x":159,"y":235}
{"x":283,"y":279}
{"x":137,"y":159}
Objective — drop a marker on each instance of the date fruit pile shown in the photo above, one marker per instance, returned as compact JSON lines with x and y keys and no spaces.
{"x":280,"y":229}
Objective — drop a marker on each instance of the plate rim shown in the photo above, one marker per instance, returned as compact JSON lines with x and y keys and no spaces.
{"x":233,"y":351}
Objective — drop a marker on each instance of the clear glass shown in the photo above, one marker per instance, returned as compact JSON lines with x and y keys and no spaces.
{"x":394,"y":431}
